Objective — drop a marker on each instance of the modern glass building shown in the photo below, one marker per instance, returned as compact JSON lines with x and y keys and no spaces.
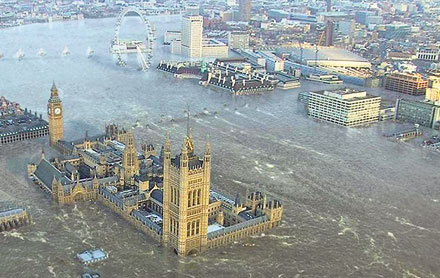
{"x":425,"y":113}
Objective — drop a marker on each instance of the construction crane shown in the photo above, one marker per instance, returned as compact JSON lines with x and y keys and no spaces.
{"x":301,"y":52}
{"x":317,"y":50}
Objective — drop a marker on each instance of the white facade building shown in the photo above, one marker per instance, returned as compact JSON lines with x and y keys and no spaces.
{"x":344,"y":107}
{"x":192,"y":36}
{"x":170,"y":36}
{"x":214,"y":49}
{"x":428,"y":54}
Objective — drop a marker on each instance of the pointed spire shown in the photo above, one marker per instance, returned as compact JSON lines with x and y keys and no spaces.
{"x":188,"y":127}
{"x":43,"y":155}
{"x":207,"y":145}
{"x":167,"y":142}
{"x":237,"y":199}
{"x":54,"y":90}
{"x":87,"y":135}
{"x":188,"y":139}
{"x":184,"y":149}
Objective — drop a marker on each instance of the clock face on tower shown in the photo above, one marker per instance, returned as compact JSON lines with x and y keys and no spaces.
{"x":57,"y":111}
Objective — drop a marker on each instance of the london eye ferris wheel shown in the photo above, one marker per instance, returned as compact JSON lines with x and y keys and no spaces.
{"x":143,"y":48}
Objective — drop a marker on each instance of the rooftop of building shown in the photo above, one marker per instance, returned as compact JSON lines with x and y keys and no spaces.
{"x":15,"y":120}
{"x":10,"y":212}
{"x":236,"y":82}
{"x":334,"y":14}
{"x":212,"y":42}
{"x":327,"y":54}
{"x":194,"y":17}
{"x":407,"y":76}
{"x":346,"y":94}
{"x":193,"y":161}
{"x":214,"y":227}
{"x":47,"y":172}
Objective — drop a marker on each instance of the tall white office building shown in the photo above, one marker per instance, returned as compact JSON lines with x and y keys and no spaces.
{"x":192,"y":39}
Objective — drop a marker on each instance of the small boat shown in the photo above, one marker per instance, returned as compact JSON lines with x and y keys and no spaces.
{"x":92,"y":256}
{"x":90,"y":52}
{"x":1,"y":55}
{"x":20,"y":54}
{"x":66,"y":51}
{"x":90,"y":275}
{"x":41,"y":52}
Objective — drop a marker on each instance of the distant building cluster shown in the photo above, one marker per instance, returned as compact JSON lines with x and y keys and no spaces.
{"x":234,"y":75}
{"x":191,"y":43}
{"x":14,"y":13}
{"x":9,"y":108}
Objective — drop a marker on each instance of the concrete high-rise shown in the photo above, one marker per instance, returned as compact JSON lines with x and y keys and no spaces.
{"x":412,"y":84}
{"x":192,"y":36}
{"x":345,"y":107}
{"x":330,"y":33}
{"x":244,"y":10}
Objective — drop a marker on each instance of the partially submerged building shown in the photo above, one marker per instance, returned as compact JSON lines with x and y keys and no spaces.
{"x":345,"y":107}
{"x":237,"y":80}
{"x":17,"y":124}
{"x":169,"y":197}
{"x":406,"y":83}
{"x":425,"y":113}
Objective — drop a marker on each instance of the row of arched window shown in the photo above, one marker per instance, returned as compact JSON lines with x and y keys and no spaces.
{"x":175,"y":196}
{"x":193,"y":228}
{"x":174,"y":226}
{"x":194,"y":197}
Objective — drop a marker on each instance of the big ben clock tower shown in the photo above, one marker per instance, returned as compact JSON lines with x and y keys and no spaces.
{"x":55,"y":115}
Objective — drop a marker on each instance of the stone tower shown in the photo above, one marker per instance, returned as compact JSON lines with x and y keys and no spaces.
{"x":57,"y":191}
{"x":186,"y":185}
{"x":55,"y":115}
{"x":130,"y":158}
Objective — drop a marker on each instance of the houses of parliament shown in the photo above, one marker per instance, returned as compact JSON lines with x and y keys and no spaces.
{"x":168,"y":197}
